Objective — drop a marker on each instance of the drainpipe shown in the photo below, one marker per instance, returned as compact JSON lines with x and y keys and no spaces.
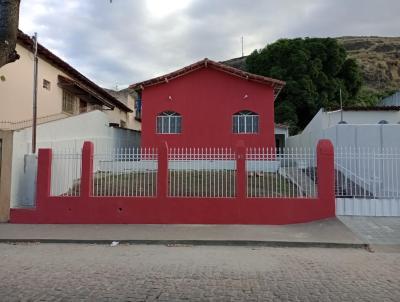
{"x":35,"y":75}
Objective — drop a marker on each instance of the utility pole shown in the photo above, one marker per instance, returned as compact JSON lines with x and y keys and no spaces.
{"x":341,"y":106}
{"x":35,"y":76}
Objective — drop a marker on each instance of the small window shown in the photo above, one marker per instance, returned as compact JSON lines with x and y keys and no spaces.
{"x":68,"y":102}
{"x":169,"y":122}
{"x":46,"y":84}
{"x":245,"y":122}
{"x":383,"y":122}
{"x":122,"y":124}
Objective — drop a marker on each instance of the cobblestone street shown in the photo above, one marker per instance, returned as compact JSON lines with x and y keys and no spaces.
{"x":72,"y":272}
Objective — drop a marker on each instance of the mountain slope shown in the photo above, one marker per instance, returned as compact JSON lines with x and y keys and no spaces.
{"x":378,"y":57}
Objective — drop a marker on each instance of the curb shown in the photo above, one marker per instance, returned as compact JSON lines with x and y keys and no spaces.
{"x":249,"y":243}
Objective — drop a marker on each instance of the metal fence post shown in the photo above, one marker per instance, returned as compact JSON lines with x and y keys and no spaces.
{"x":241,"y":171}
{"x":87,"y":169}
{"x":43,"y":183}
{"x":162,"y":173}
{"x":326,"y":175}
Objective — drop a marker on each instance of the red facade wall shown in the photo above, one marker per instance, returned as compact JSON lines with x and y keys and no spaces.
{"x":167,"y":210}
{"x":207,"y":99}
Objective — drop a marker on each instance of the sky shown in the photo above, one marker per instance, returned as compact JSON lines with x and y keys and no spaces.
{"x":128,"y":41}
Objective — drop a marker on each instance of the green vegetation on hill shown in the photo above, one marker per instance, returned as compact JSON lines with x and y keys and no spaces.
{"x":315,"y":70}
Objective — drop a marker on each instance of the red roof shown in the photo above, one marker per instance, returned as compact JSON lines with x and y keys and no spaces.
{"x":206,"y":63}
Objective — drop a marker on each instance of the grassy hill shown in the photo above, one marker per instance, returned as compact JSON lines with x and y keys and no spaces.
{"x":378,"y":57}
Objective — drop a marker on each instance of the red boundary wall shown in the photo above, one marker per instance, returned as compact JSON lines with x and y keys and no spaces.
{"x":86,"y":209}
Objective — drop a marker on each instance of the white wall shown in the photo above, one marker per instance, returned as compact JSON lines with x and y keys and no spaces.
{"x":68,"y":133}
{"x":377,"y":136}
{"x":326,"y":119}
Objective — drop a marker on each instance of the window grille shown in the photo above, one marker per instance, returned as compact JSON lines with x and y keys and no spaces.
{"x":169,"y":122}
{"x":46,"y":84}
{"x":245,"y":122}
{"x":68,"y":103}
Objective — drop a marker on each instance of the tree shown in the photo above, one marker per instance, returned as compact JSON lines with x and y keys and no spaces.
{"x":315,"y":69}
{"x":9,"y":15}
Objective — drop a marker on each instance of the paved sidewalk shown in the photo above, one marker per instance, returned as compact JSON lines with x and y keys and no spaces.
{"x":381,"y":233}
{"x":329,"y":232}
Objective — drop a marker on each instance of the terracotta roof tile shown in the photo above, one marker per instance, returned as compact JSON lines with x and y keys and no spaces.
{"x":276,"y":84}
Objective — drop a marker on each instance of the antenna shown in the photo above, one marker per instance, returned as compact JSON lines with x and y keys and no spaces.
{"x":242,"y":48}
{"x":341,"y":106}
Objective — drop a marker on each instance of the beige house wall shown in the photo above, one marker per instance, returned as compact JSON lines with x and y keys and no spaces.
{"x":117,"y":115}
{"x":5,"y":174}
{"x":16,"y":88}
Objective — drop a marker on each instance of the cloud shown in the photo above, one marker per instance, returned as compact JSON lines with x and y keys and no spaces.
{"x":129,"y":41}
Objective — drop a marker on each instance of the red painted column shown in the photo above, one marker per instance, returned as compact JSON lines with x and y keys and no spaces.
{"x":241,"y":174}
{"x":43,"y":182}
{"x":326,"y":176}
{"x":87,"y":169}
{"x":162,"y":173}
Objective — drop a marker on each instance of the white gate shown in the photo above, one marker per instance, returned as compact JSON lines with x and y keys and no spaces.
{"x":367,"y":181}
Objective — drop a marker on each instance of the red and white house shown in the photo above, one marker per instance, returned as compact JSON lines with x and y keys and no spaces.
{"x":208,"y":104}
{"x":208,"y":156}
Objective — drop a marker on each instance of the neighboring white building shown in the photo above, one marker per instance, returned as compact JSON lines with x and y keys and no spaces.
{"x":367,"y":162}
{"x":369,"y":127}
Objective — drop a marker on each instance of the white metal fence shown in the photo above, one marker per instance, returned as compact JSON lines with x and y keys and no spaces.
{"x":367,"y":172}
{"x":201,"y":172}
{"x":66,"y":173}
{"x":283,"y":172}
{"x":125,"y":172}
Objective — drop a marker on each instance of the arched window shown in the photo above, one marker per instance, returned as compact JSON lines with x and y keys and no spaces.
{"x":245,"y":122}
{"x":383,"y":122}
{"x":169,"y":122}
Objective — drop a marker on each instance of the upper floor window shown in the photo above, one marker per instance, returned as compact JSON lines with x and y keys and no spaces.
{"x":169,"y":122}
{"x":245,"y":122}
{"x":68,"y":102}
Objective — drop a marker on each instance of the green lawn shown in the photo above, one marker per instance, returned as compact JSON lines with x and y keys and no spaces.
{"x":198,"y":183}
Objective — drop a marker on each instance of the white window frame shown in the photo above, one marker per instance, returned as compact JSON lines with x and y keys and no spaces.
{"x":171,"y":123}
{"x":245,"y":122}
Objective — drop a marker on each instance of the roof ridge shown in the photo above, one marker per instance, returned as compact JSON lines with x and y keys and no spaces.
{"x":276,"y":84}
{"x":67,"y":68}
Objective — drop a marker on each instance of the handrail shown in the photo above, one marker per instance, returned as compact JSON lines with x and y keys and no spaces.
{"x":354,"y":174}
